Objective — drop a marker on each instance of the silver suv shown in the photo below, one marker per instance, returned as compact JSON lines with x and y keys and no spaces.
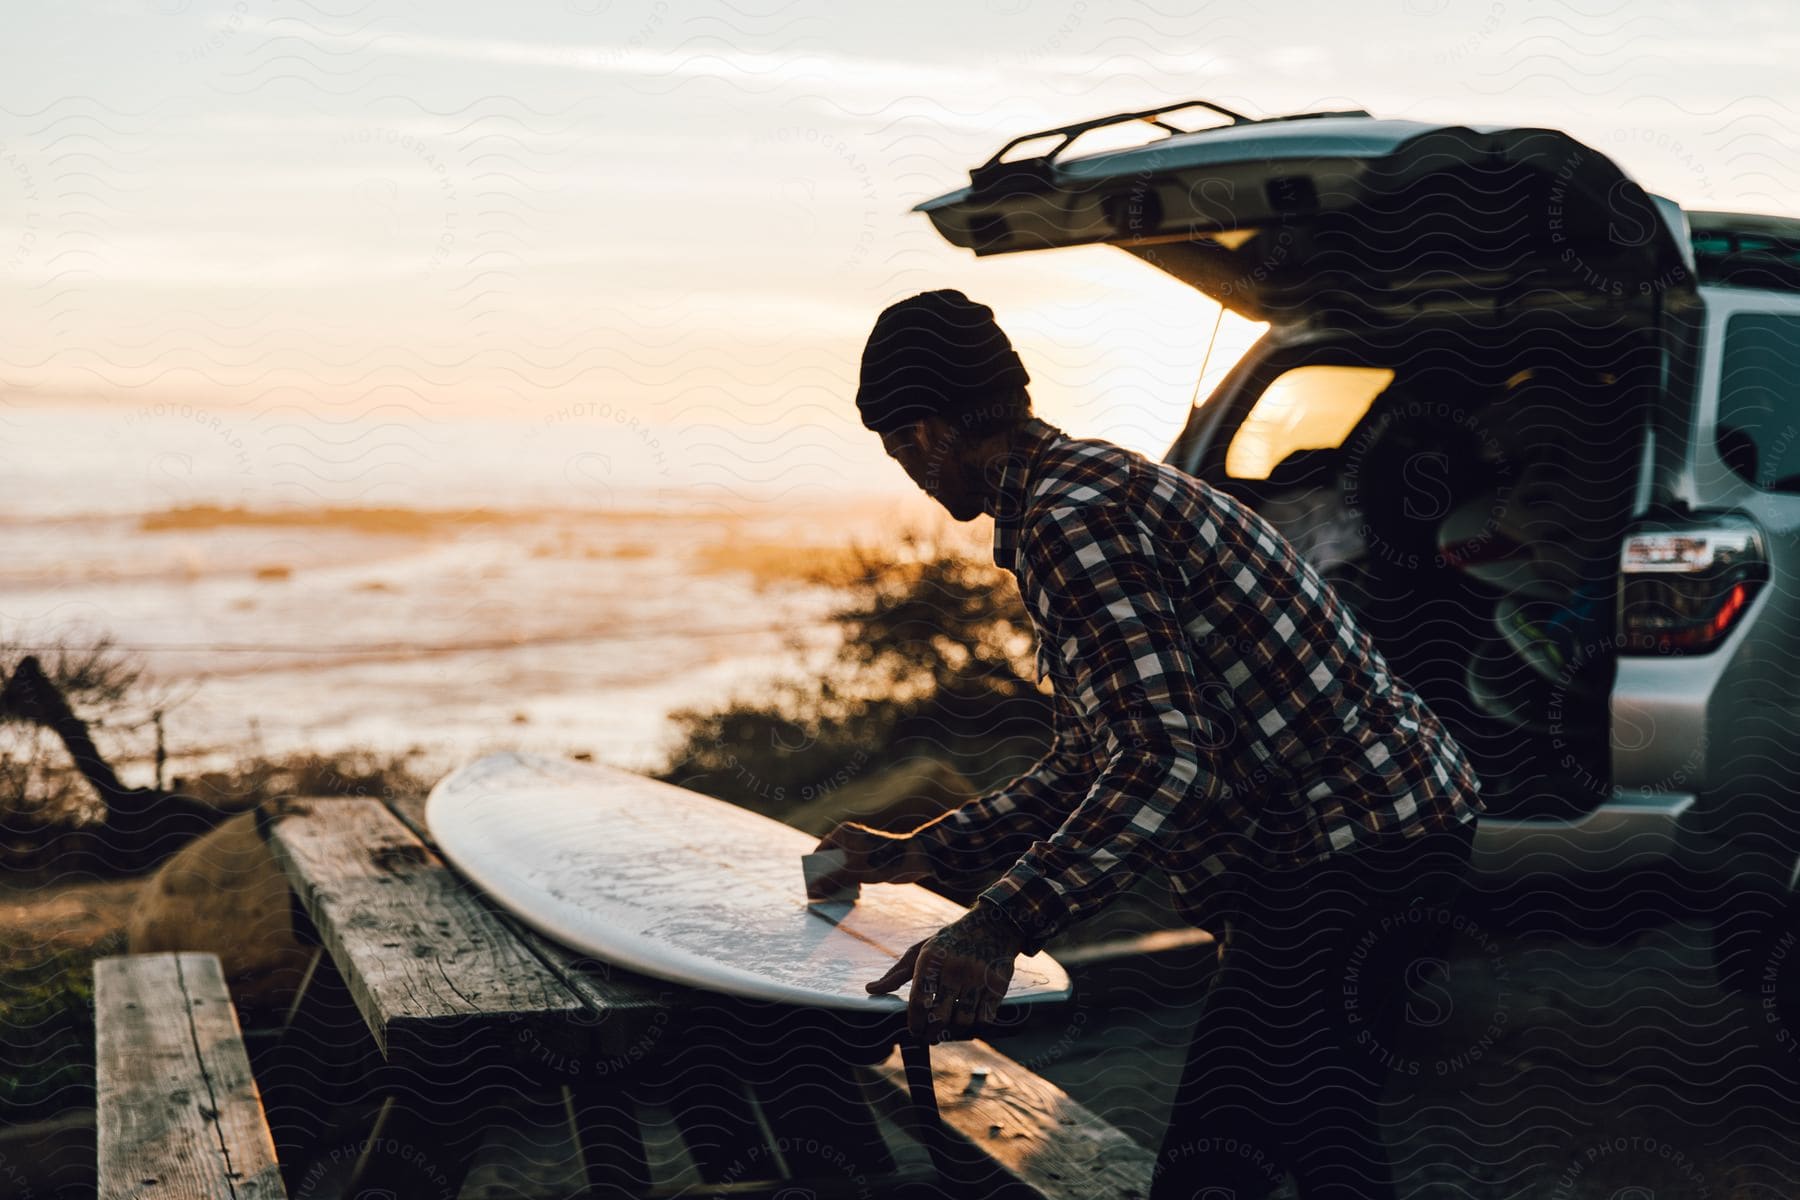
{"x":1541,"y":430}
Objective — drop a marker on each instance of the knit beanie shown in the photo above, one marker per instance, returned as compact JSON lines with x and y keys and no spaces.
{"x":934,"y":354}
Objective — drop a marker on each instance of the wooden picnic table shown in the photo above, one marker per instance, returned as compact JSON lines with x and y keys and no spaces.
{"x":430,"y":1018}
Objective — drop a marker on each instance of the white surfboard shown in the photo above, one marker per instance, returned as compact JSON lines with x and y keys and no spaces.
{"x":681,"y":886}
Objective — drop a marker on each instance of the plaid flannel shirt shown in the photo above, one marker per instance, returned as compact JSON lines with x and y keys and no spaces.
{"x":1215,"y":700}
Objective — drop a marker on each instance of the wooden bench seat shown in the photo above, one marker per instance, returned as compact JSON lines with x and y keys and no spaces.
{"x":177,"y":1110}
{"x":1004,"y":1114}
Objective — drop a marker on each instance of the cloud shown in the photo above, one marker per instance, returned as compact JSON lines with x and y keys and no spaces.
{"x":776,"y":65}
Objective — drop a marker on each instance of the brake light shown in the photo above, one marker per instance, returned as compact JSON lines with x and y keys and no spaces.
{"x":1681,"y":591}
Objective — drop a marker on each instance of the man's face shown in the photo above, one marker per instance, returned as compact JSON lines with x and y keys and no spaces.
{"x":925,"y":450}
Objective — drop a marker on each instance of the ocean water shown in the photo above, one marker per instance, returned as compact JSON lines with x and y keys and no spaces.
{"x":499,"y":588}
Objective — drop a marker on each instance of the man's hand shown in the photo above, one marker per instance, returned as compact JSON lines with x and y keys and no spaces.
{"x":959,"y":974}
{"x":870,"y":856}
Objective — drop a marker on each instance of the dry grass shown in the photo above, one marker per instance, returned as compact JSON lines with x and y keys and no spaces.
{"x":53,"y":925}
{"x":73,"y":918}
{"x":49,"y":939}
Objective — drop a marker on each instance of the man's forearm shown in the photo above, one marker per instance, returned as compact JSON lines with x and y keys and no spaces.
{"x":1146,"y":795}
{"x":970,"y":845}
{"x":967,"y":852}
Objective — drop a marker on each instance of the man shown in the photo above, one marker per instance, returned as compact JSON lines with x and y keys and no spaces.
{"x":1219,"y":714}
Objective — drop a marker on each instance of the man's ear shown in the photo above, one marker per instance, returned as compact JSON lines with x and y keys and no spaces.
{"x":936,"y":435}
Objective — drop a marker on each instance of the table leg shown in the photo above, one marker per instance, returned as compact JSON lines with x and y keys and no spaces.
{"x":316,"y":1063}
{"x":422,"y":1144}
{"x":605,"y":1126}
{"x":915,"y":1056}
{"x":820,"y":1117}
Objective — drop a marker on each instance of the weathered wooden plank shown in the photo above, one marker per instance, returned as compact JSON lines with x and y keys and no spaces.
{"x":177,"y":1109}
{"x":1027,"y":1126}
{"x":441,"y":982}
{"x":630,"y":1012}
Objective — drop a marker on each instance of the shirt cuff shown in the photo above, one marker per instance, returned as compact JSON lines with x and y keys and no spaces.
{"x":931,"y":841}
{"x":1032,"y":904}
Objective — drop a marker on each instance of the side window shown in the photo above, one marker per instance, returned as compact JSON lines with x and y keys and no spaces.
{"x":1758,"y":429}
{"x":1307,"y":408}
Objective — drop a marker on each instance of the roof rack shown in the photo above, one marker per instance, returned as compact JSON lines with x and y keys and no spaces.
{"x":996,"y":176}
{"x":1752,"y":250}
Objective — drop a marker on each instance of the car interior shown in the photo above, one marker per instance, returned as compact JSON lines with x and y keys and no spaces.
{"x":1465,"y":493}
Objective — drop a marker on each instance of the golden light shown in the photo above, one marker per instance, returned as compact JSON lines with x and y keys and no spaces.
{"x":1308,"y":408}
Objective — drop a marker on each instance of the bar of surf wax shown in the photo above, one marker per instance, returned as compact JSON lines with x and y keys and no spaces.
{"x":814,"y":866}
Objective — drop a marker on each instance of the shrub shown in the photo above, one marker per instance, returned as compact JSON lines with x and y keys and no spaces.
{"x":343,"y":773}
{"x":934,"y":657}
{"x":40,"y":789}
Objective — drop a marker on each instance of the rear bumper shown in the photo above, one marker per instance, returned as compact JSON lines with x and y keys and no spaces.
{"x":1620,"y":835}
{"x":1626,"y":835}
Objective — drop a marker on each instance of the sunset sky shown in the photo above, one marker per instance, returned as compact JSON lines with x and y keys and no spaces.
{"x":681,"y":219}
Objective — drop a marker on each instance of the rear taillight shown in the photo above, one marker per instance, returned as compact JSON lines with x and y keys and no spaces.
{"x":1683,"y":588}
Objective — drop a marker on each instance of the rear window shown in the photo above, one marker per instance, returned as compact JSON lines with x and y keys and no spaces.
{"x":1758,"y":433}
{"x":1307,"y":408}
